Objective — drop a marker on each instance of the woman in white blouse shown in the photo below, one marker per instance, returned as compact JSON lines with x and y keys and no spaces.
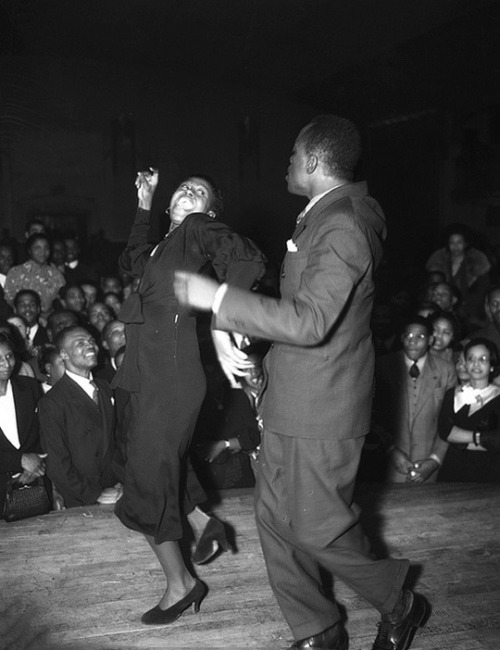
{"x":470,"y":419}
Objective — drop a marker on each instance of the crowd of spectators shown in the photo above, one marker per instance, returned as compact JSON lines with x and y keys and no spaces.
{"x":61,"y":334}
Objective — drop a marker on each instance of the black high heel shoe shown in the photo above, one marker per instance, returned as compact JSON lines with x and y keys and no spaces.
{"x":158,"y":616}
{"x":212,"y":538}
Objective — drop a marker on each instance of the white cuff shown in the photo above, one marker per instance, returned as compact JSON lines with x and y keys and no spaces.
{"x":436,"y":458}
{"x":219,"y":296}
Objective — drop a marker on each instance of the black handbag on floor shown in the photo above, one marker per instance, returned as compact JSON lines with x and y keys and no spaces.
{"x":23,"y":501}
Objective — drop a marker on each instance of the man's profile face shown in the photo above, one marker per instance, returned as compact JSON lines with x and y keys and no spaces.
{"x":79,"y":351}
{"x":297,"y":177}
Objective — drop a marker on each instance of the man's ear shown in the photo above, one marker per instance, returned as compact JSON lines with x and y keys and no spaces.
{"x":311,"y":164}
{"x":105,"y":344}
{"x":64,"y":354}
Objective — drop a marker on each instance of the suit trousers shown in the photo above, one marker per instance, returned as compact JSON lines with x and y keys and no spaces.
{"x":308,"y":523}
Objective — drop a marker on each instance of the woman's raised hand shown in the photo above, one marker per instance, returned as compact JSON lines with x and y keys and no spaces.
{"x":146,"y":183}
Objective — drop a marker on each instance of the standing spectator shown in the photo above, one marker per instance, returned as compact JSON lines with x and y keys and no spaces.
{"x":409,"y":389}
{"x":59,"y":320}
{"x":470,"y":419}
{"x":467,"y":268}
{"x":36,"y":273}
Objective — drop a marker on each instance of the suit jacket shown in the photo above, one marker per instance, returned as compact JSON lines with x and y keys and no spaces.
{"x":320,"y":366}
{"x":27,"y":391}
{"x":417,"y":436}
{"x":79,"y":440}
{"x":41,"y":337}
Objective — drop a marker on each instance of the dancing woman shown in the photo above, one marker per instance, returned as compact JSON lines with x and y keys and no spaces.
{"x":163,"y":373}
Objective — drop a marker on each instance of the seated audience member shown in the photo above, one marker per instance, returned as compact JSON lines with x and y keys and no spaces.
{"x":470,"y":419}
{"x":50,"y":365}
{"x":20,"y":448}
{"x":27,"y":304}
{"x":91,"y":292}
{"x":112,"y":340}
{"x":112,"y":300}
{"x":427,"y":309}
{"x":461,"y":368}
{"x":466,"y":268}
{"x":76,"y":271}
{"x":491,"y":331}
{"x":6,"y":261}
{"x":58,"y":255}
{"x":445,"y":333}
{"x":409,"y":388}
{"x":59,"y":320}
{"x":71,"y":297}
{"x":34,"y":226}
{"x":77,"y":420}
{"x":5,"y":308}
{"x":99,"y":315}
{"x":446,"y":296}
{"x":23,"y":357}
{"x":384,"y":328}
{"x":111,"y":284}
{"x":37,"y":273}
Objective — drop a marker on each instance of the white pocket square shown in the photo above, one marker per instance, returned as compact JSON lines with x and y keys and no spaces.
{"x":291,"y":246}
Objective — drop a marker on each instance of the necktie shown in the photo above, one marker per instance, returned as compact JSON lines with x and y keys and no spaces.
{"x":95,"y":394}
{"x":414,"y":371}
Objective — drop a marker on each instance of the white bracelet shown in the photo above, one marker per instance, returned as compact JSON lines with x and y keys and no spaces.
{"x":227,"y":444}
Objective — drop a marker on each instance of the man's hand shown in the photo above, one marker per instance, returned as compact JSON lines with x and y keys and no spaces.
{"x":422,"y":469}
{"x":233,"y":361}
{"x":400,"y":461}
{"x":195,"y":290}
{"x":146,"y":183}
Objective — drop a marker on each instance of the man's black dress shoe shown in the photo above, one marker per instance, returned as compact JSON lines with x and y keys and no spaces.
{"x":396,"y":630}
{"x":333,"y":638}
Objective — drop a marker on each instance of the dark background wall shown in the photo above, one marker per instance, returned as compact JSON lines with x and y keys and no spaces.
{"x":90,"y":96}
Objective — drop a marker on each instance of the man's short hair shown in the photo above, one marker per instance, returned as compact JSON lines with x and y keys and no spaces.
{"x":60,"y":339}
{"x":416,"y":319}
{"x":337,"y":143}
{"x":28,"y":292}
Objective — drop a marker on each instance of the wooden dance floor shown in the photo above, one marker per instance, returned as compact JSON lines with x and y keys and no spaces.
{"x":79,"y":579}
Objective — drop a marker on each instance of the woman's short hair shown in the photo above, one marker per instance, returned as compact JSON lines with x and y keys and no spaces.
{"x":490,"y":346}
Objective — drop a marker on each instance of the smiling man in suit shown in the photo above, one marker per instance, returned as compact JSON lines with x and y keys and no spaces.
{"x":317,"y":403}
{"x":76,"y":420}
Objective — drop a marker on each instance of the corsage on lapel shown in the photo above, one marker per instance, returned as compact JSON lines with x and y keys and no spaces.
{"x":291,"y":246}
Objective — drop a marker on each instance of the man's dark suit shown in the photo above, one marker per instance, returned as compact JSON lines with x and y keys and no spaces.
{"x":414,"y":433}
{"x":316,"y":408}
{"x":27,"y":392}
{"x":78,"y":438}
